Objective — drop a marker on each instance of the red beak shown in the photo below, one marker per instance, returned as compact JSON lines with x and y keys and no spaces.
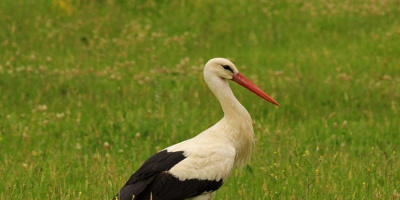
{"x":243,"y":81}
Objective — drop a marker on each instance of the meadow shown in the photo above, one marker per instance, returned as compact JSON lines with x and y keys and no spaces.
{"x":91,"y":88}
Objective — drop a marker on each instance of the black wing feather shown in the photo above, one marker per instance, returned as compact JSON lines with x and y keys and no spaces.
{"x":152,"y":181}
{"x":157,"y":163}
{"x":168,"y":187}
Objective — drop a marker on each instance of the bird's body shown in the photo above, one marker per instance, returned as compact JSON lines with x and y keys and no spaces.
{"x":196,"y":168}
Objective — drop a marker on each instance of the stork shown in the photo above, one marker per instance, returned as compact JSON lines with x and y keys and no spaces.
{"x":196,"y":168}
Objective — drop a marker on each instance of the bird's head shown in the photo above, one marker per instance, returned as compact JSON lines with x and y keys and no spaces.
{"x":225,"y":69}
{"x":221,"y":67}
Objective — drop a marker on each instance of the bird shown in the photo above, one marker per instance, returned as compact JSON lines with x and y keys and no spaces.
{"x":196,"y":168}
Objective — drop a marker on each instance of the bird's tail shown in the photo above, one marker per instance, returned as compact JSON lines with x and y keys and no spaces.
{"x":136,"y":191}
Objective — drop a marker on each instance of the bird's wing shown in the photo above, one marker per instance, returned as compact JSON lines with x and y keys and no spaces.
{"x":166,"y":186}
{"x":179,"y":174}
{"x":207,"y":162}
{"x":143,"y":177}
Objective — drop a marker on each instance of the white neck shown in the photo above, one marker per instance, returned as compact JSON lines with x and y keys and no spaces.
{"x":230,"y":105}
{"x":237,"y":122}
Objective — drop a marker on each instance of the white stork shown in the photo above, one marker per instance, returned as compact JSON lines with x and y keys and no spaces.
{"x":196,"y":168}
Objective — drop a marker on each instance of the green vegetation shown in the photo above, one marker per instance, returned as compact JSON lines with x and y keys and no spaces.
{"x":89,"y":89}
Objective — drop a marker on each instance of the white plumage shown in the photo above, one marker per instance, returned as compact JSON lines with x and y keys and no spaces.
{"x":196,"y":168}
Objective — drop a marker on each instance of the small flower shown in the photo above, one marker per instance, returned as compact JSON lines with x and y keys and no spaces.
{"x":106,"y":145}
{"x":33,"y":57}
{"x":60,"y":116}
{"x":42,"y":68}
{"x":344,"y":77}
{"x":344,"y":124}
{"x":387,"y":77}
{"x":137,"y":136}
{"x":279,"y":73}
{"x":42,"y":108}
{"x":25,"y":133}
{"x":25,"y":166}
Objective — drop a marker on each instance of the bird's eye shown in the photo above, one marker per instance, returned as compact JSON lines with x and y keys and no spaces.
{"x":227,"y":67}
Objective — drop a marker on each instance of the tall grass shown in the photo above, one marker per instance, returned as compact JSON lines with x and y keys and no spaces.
{"x":90,"y":89}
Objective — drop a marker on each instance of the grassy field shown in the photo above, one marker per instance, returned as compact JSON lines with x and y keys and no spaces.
{"x":89,"y":89}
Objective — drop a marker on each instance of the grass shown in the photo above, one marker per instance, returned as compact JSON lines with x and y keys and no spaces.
{"x":90,"y":89}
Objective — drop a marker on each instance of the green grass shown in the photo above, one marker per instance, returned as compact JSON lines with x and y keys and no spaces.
{"x":78,"y":75}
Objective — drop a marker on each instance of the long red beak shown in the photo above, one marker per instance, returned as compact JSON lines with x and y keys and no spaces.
{"x":243,"y":81}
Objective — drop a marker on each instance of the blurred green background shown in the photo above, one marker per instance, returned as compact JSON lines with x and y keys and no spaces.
{"x":91,"y":88}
